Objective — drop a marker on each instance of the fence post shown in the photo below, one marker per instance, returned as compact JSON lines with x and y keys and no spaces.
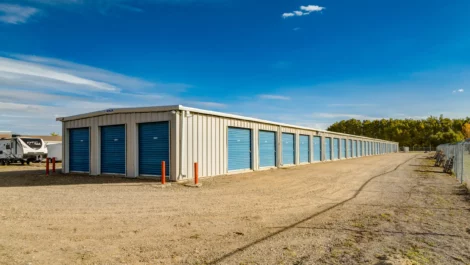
{"x":196,"y":174}
{"x":163,"y":173}
{"x":47,"y":166}
{"x":53,"y":165}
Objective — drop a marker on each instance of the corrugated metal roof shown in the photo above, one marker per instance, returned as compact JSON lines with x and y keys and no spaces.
{"x":196,"y":110}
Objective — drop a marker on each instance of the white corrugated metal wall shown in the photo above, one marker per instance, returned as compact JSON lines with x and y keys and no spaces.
{"x":205,"y":142}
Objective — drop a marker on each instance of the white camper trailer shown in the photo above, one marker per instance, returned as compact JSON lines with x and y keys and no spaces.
{"x":21,"y":150}
{"x":55,"y":150}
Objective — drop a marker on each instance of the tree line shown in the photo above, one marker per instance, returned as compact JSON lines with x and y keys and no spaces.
{"x":432,"y":131}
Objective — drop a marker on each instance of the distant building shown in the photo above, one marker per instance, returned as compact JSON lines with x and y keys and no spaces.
{"x":48,"y":139}
{"x":5,"y":134}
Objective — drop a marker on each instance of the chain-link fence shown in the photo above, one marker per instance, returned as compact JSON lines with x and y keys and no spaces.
{"x":460,"y":153}
{"x":422,"y":148}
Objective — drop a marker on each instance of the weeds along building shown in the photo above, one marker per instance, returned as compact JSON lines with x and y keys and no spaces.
{"x":133,"y":142}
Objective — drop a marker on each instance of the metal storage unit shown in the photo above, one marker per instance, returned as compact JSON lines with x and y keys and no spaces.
{"x":327,"y":148}
{"x":267,"y":149}
{"x":79,"y":150}
{"x":239,"y":149}
{"x":304,"y":148}
{"x":317,"y":147}
{"x":343,"y":148}
{"x":288,"y":149}
{"x":182,"y":136}
{"x":113,"y":149}
{"x":154,"y":147}
{"x":336,"y":148}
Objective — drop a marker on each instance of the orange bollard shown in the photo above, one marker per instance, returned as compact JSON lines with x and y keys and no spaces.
{"x":196,"y":174}
{"x":163,"y":173}
{"x":47,"y":166}
{"x":53,"y":165}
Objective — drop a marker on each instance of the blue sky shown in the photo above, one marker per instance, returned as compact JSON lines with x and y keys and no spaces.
{"x":306,"y":62}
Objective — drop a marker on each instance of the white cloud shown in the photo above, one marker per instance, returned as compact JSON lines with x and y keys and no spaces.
{"x":5,"y":106}
{"x":10,"y":67}
{"x":458,"y":91}
{"x":276,"y":97}
{"x":312,"y":8}
{"x":296,"y":29}
{"x":38,"y":89}
{"x":286,"y":15}
{"x":304,"y":11}
{"x":16,"y":14}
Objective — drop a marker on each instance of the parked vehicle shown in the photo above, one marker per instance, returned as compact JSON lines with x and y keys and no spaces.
{"x":55,"y":150}
{"x":21,"y":150}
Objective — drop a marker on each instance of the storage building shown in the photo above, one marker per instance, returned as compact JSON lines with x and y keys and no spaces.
{"x":133,"y":142}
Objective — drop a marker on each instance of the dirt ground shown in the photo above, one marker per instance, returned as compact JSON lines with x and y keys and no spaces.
{"x":391,"y":209}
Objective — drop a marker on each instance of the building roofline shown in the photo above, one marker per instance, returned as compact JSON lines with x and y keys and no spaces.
{"x":201,"y":111}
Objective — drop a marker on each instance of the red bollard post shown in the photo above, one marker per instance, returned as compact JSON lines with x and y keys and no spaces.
{"x":163,"y":173}
{"x":53,"y":165}
{"x":196,"y":174}
{"x":47,"y":166}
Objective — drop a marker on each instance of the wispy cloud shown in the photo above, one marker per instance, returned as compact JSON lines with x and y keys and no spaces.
{"x":304,"y":11}
{"x":275,"y":97}
{"x":38,"y":89}
{"x":16,"y":14}
{"x":458,"y":91}
{"x":11,"y":69}
{"x":296,"y":29}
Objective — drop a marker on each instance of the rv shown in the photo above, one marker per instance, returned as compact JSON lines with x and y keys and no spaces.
{"x":21,"y":150}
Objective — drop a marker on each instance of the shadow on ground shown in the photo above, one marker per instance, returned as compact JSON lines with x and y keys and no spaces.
{"x":27,"y":178}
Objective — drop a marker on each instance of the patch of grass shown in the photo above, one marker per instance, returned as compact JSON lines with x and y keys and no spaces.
{"x":386,"y":216}
{"x":418,"y":256}
{"x":358,"y":224}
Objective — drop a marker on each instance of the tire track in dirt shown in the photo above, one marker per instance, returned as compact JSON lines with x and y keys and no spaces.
{"x":243,"y":248}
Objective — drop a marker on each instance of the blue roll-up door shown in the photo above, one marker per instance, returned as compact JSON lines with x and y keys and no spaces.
{"x":335,"y":148}
{"x":113,"y":149}
{"x":288,"y":149}
{"x":239,"y":148}
{"x":327,"y":148}
{"x":317,"y":148}
{"x":354,"y":148}
{"x":350,"y":148}
{"x":360,"y":148}
{"x":304,"y":148}
{"x":154,"y":147}
{"x":267,"y":149}
{"x":343,"y":148}
{"x":79,"y":150}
